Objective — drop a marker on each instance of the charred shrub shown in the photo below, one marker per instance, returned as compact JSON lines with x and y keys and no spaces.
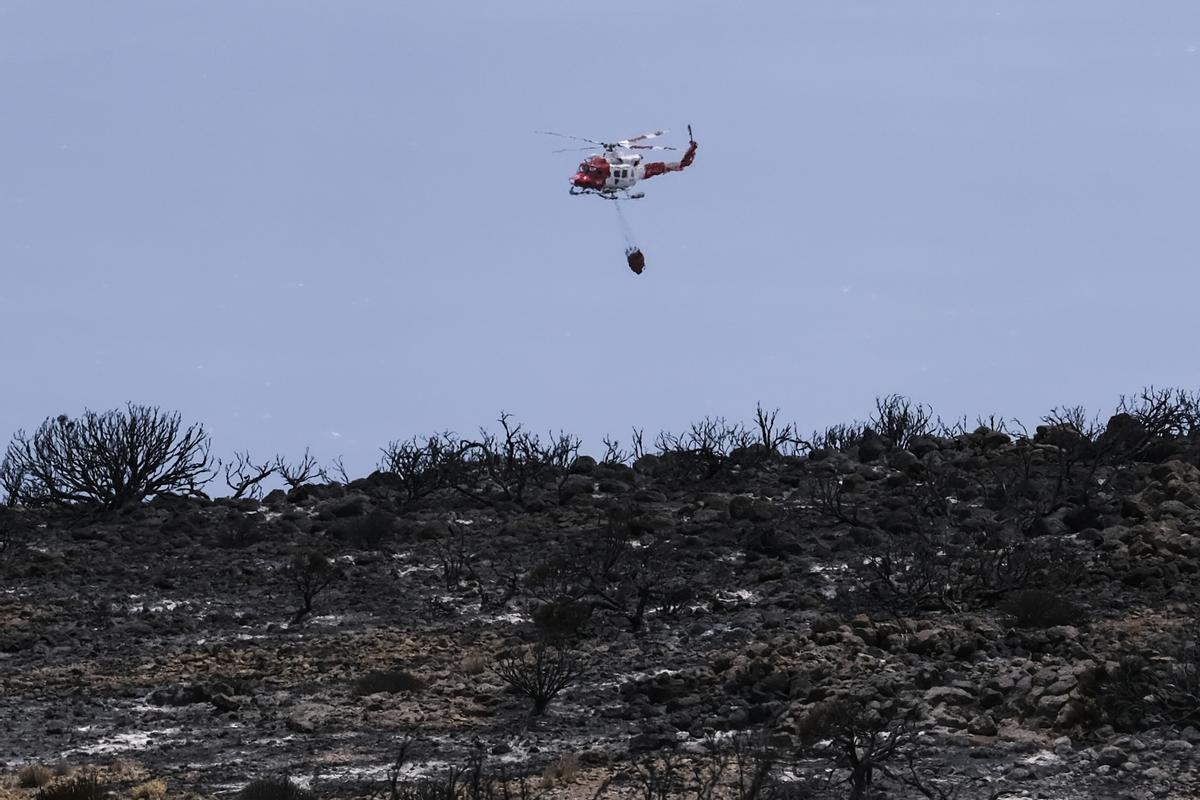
{"x":838,"y":438}
{"x":539,"y":672}
{"x":392,"y":681}
{"x":505,"y":466}
{"x":275,"y":788}
{"x":675,"y":596}
{"x":702,"y":451}
{"x":421,"y":465}
{"x":111,"y":459}
{"x":238,"y":530}
{"x":899,"y":419}
{"x":1141,"y":692}
{"x":83,"y":787}
{"x":1150,"y":425}
{"x":1039,"y":608}
{"x":1122,"y":695}
{"x":859,"y":740}
{"x":466,"y":781}
{"x":309,"y":574}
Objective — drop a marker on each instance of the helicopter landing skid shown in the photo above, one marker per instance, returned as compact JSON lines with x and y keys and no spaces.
{"x":622,"y":195}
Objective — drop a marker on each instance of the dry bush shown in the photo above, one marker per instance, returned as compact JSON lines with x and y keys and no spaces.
{"x":83,"y":787}
{"x":34,"y":776}
{"x":561,"y":771}
{"x":473,"y":664}
{"x":275,"y":788}
{"x":150,"y":790}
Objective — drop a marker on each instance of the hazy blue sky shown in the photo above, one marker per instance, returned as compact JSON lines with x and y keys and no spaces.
{"x":330,"y":224}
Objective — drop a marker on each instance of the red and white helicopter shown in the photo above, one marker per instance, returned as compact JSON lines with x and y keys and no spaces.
{"x":614,"y":172}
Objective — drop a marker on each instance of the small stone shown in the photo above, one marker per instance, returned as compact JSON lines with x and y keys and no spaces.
{"x":1071,"y":713}
{"x":982,"y":725}
{"x":1111,"y":756}
{"x":1156,"y":774}
{"x":224,"y":702}
{"x":1022,"y":774}
{"x":1049,"y":704}
{"x":950,"y":695}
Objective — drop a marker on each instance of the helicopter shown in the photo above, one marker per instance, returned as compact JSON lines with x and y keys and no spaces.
{"x":614,"y":172}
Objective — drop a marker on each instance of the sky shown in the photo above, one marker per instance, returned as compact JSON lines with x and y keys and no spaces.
{"x":330,"y":225}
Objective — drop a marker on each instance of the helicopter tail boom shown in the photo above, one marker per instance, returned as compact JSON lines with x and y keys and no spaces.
{"x":659,"y":167}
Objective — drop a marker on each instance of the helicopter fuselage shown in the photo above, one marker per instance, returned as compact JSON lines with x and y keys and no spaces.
{"x":608,"y":174}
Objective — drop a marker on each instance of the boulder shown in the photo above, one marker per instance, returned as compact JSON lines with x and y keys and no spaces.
{"x":575,"y":485}
{"x":872,"y":445}
{"x":1111,"y":756}
{"x":752,"y":509}
{"x":647,"y":464}
{"x":582,"y":465}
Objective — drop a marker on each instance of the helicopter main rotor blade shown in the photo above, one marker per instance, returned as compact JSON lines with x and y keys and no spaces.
{"x":572,"y":149}
{"x":641,"y":138}
{"x":648,"y":147}
{"x":568,"y":136}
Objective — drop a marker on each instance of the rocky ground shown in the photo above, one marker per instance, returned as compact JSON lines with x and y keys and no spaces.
{"x":979,"y":616}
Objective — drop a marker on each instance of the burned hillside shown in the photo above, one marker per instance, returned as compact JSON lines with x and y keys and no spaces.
{"x":898,"y":608}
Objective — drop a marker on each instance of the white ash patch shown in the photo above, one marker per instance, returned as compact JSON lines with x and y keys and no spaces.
{"x":510,"y":617}
{"x":737,"y":596}
{"x":120,"y":742}
{"x":629,"y":677}
{"x":411,"y":568}
{"x":151,"y":606}
{"x":1042,"y":757}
